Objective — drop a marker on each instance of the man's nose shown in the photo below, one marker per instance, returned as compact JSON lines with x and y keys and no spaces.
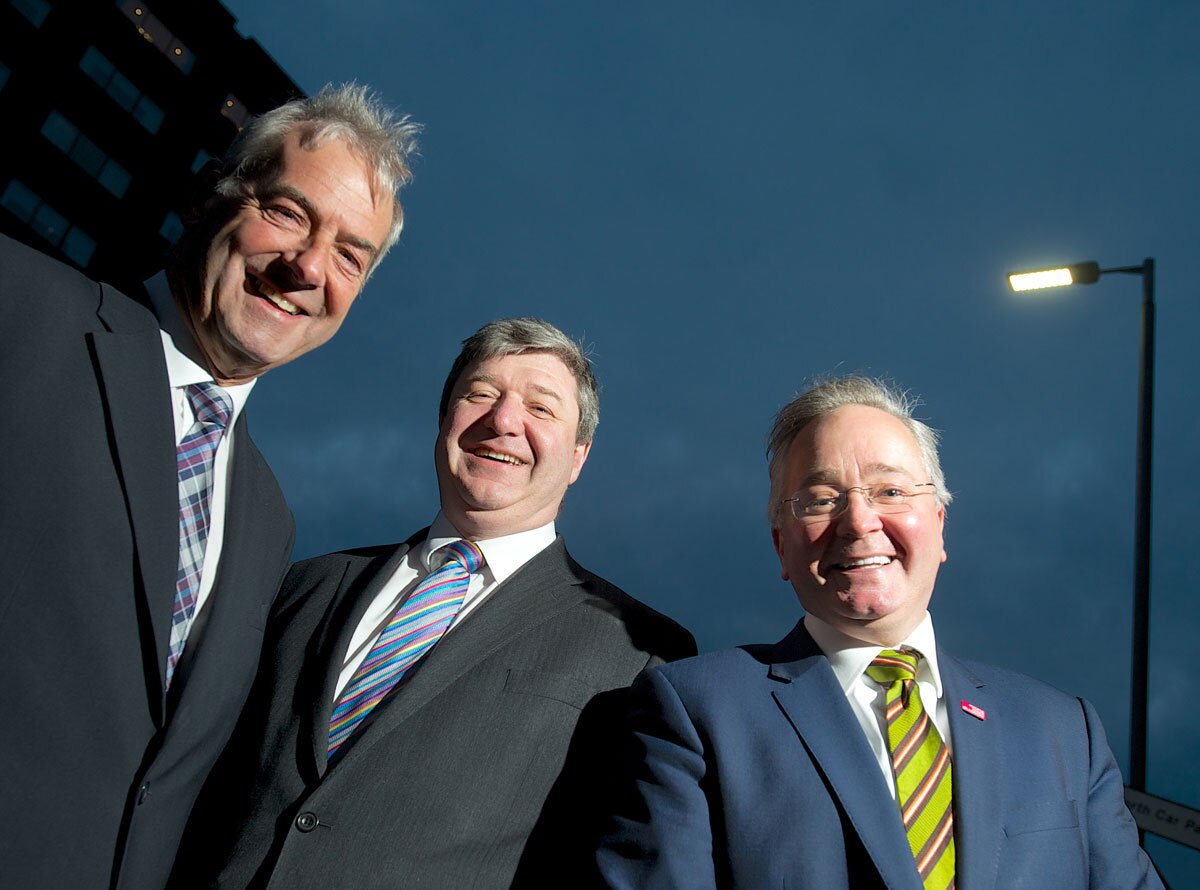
{"x":859,"y":517}
{"x":505,"y":417}
{"x":307,"y":263}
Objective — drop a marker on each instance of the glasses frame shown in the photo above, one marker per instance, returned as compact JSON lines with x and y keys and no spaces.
{"x":844,"y":502}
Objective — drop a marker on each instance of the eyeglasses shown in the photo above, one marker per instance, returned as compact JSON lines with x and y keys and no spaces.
{"x":820,"y":504}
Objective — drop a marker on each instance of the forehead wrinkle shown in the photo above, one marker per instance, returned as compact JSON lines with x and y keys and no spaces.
{"x":830,"y":477}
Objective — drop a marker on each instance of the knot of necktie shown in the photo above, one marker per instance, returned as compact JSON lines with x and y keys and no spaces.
{"x":465,"y":553}
{"x":892,"y":666}
{"x":210,"y":403}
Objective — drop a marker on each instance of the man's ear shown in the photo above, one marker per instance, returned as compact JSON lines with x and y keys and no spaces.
{"x":201,"y":192}
{"x":777,"y":540}
{"x":578,"y":459}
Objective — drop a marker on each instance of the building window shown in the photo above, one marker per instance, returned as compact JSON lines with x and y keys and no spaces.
{"x":49,"y":223}
{"x":20,"y":201}
{"x":157,"y":34}
{"x":121,"y":89}
{"x":25,"y":204}
{"x":96,"y":66}
{"x":233,"y":109}
{"x":34,"y":10}
{"x":4,"y":72}
{"x":60,"y":131}
{"x":202,"y":158}
{"x":65,"y":136}
{"x":114,"y":177}
{"x":171,"y":228}
{"x":78,"y":247}
{"x":148,"y":114}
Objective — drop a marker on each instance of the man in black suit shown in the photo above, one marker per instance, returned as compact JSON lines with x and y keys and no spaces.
{"x":443,"y":782}
{"x":131,"y":619}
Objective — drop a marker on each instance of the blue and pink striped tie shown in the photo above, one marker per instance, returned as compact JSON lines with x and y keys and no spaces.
{"x":194,"y":463}
{"x":413,"y":631}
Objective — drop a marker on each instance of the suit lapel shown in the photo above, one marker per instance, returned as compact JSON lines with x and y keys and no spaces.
{"x":978,"y":776}
{"x":133,"y":376}
{"x":540,"y":589}
{"x":815,"y":704}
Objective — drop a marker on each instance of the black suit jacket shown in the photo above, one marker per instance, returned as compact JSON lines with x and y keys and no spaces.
{"x":445,"y":786}
{"x":101,"y":769}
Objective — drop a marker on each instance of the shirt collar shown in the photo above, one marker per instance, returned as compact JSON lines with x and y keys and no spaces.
{"x":185,"y":365}
{"x":850,"y":657}
{"x":502,"y":556}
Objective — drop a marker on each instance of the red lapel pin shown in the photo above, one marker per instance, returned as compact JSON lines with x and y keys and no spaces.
{"x":974,"y":710}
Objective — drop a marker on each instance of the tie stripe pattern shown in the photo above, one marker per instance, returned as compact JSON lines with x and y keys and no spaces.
{"x":413,"y":630}
{"x":194,"y":464}
{"x":921,"y":763}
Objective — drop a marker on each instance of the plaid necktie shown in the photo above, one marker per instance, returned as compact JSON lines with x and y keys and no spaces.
{"x":412,"y":631}
{"x":921,"y":763}
{"x":194,"y":463}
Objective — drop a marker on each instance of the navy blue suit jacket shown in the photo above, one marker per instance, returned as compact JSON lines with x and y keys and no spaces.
{"x":747,"y":768}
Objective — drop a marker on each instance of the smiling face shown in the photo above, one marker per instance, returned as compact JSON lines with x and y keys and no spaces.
{"x":279,"y":277}
{"x":506,"y":451}
{"x":866,"y":574}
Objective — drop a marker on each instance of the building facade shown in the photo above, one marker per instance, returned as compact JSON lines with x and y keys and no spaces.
{"x":110,"y":108}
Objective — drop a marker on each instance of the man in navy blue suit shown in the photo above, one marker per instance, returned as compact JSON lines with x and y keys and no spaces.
{"x":795,"y":765}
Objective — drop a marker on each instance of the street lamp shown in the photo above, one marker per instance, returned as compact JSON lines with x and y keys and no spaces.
{"x":1088,"y":273}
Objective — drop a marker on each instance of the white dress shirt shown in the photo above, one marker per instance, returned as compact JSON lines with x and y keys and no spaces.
{"x":185,"y":366}
{"x":502,"y":557}
{"x":850,"y":657}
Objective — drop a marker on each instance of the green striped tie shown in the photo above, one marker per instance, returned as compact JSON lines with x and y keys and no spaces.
{"x":921,"y":763}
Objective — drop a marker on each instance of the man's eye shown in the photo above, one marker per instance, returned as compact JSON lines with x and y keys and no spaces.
{"x":823,"y":502}
{"x":889,"y":491}
{"x":284,"y":214}
{"x":352,"y":260}
{"x":540,"y":409}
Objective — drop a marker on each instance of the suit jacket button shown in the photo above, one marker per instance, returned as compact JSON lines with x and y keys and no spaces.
{"x":306,"y":822}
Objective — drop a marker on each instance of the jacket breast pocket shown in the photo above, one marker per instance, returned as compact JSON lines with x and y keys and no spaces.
{"x":557,"y":687}
{"x":1052,"y":815}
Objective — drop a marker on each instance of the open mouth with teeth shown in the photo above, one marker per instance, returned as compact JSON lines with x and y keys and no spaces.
{"x":488,"y":454}
{"x":268,"y":291}
{"x":864,"y":563}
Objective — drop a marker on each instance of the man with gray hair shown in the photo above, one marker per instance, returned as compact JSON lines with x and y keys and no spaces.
{"x":417,"y":701}
{"x":857,"y":752}
{"x":142,"y":535}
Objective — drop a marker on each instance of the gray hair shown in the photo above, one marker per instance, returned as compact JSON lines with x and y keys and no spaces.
{"x":827,"y":396}
{"x":350,"y":112}
{"x":514,"y":336}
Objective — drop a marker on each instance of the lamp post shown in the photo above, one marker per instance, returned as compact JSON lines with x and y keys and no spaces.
{"x":1088,"y":273}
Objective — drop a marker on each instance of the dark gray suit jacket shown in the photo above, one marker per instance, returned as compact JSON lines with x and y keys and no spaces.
{"x":445,"y":787}
{"x":101,"y":769}
{"x":748,"y":769}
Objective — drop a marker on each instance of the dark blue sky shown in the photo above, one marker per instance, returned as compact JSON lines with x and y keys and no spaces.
{"x":726,"y":199}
